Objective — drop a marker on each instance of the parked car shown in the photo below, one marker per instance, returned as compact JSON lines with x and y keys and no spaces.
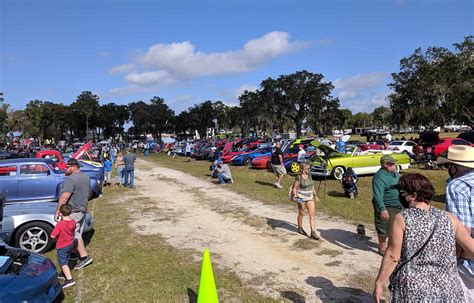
{"x":468,"y":136}
{"x":34,"y":179}
{"x":4,"y":155}
{"x":330,"y":162}
{"x":28,"y":225}
{"x":246,"y":158}
{"x":402,"y":146}
{"x":27,"y":277}
{"x":289,"y":149}
{"x":441,"y":148}
{"x":377,"y":145}
{"x":227,"y":158}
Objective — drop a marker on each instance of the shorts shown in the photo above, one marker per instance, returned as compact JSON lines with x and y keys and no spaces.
{"x":384,"y":227}
{"x":279,"y":169}
{"x":79,"y":217}
{"x":63,"y":254}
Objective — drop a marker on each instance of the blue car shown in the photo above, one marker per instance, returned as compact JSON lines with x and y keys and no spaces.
{"x":33,"y":179}
{"x":246,"y":159}
{"x":27,"y":277}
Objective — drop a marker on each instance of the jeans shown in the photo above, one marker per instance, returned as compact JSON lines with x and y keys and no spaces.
{"x":222,"y":178}
{"x":129,"y":173}
{"x":119,"y":175}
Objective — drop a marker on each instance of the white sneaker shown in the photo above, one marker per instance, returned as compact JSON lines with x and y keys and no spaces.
{"x":278,"y":185}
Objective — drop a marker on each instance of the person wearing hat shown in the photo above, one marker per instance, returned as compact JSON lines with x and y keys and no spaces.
{"x":385,"y":199}
{"x":460,"y":202}
{"x":301,"y":153}
{"x":76,"y":192}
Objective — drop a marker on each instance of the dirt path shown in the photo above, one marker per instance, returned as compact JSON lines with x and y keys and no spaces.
{"x":255,"y":240}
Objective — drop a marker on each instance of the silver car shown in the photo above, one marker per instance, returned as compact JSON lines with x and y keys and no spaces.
{"x":28,"y":225}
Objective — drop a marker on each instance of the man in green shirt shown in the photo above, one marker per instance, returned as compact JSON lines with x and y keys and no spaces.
{"x":385,"y":199}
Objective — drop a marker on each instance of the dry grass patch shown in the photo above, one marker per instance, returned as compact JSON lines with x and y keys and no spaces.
{"x":329,"y":252}
{"x":305,"y":244}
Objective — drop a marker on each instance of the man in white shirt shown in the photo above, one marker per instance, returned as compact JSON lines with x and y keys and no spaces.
{"x":388,"y":137}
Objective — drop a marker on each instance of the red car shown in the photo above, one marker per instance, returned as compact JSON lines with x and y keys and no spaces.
{"x":441,"y":148}
{"x":263,"y":162}
{"x":374,"y":145}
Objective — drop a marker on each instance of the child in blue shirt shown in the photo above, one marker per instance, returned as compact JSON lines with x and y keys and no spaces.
{"x":108,"y":171}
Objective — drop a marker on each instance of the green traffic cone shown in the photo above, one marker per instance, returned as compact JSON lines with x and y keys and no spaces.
{"x":207,"y":286}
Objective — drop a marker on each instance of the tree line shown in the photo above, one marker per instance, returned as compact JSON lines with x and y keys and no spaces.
{"x":431,"y":88}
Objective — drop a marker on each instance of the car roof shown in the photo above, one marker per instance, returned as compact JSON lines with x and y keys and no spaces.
{"x":26,"y":160}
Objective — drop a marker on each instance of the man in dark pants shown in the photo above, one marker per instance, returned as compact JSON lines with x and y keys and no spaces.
{"x":76,"y":192}
{"x":385,"y":199}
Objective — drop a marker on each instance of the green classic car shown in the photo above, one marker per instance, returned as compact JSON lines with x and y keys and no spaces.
{"x":330,"y":162}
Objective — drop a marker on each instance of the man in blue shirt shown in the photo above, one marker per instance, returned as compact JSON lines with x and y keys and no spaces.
{"x":460,"y":202}
{"x":341,"y":145}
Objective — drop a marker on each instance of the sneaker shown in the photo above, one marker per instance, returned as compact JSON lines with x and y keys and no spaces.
{"x":69,"y":283}
{"x":301,"y":231}
{"x":314,"y":236}
{"x":83,"y":263}
{"x":278,"y":185}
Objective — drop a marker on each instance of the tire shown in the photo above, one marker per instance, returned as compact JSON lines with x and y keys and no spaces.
{"x":294,"y":167}
{"x":247,"y":161}
{"x":405,"y":152}
{"x":35,"y":237}
{"x":337,"y":172}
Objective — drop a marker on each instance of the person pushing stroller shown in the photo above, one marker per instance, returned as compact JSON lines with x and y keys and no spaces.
{"x":349,"y":180}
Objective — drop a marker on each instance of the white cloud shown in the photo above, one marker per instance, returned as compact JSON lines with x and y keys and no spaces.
{"x":367,"y":104}
{"x":352,"y":87}
{"x":123,"y":68}
{"x":246,"y":87}
{"x":165,"y":64}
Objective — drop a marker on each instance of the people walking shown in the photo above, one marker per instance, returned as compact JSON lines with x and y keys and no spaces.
{"x":129,"y":169}
{"x":277,"y":164}
{"x":76,"y":192}
{"x":421,"y":256}
{"x":302,"y":192}
{"x":460,"y":203}
{"x":119,"y":167}
{"x":385,"y":199}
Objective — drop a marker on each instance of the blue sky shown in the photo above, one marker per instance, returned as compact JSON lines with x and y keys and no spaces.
{"x":191,"y":51}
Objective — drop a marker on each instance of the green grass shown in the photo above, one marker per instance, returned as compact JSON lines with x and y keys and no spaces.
{"x":258,"y":184}
{"x":129,"y":267}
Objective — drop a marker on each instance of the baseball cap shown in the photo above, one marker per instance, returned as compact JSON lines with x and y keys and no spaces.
{"x":73,"y":162}
{"x":301,"y":145}
{"x":387,"y":159}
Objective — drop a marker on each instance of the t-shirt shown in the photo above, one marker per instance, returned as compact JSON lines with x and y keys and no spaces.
{"x":129,"y":160}
{"x":108,"y":165}
{"x":276,"y":152}
{"x":301,"y":155}
{"x":64,"y":233}
{"x":305,"y":184}
{"x":385,"y":192}
{"x":79,"y":185}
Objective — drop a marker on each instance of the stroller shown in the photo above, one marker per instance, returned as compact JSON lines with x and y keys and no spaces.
{"x":349,"y":180}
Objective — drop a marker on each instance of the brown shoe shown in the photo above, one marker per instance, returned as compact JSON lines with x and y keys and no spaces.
{"x":301,"y":231}
{"x":314,"y":236}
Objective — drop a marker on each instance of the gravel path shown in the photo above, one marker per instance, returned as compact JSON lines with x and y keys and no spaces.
{"x":255,"y":240}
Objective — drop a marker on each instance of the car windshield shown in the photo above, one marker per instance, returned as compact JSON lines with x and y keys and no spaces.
{"x":396,"y":143}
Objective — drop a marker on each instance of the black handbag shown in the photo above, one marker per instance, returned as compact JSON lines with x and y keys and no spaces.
{"x":413,"y":256}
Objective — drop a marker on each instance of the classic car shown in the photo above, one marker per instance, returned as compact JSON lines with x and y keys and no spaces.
{"x":28,"y":225}
{"x":330,"y":162}
{"x":27,"y":277}
{"x":246,"y":158}
{"x":32,"y":179}
{"x":227,"y":158}
{"x":441,"y":148}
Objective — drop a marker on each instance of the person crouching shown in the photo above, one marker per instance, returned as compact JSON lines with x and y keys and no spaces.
{"x":64,"y":233}
{"x":223,"y":173}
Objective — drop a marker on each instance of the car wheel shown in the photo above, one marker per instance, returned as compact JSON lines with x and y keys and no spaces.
{"x":35,"y":237}
{"x":337,"y":172}
{"x":294,"y":167}
{"x":405,"y":152}
{"x":247,"y":161}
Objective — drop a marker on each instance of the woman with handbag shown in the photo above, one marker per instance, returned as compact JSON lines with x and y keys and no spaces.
{"x":302,"y":191}
{"x":421,"y":254}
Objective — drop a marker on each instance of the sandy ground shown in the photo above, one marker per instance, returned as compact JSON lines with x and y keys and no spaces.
{"x":256,"y":241}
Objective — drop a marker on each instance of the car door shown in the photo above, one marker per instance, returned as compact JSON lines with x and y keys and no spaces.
{"x":8,"y":182}
{"x":36,"y":182}
{"x":409,"y":146}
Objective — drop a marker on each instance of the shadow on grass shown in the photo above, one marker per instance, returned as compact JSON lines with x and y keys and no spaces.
{"x":347,"y":240}
{"x":293,"y":296}
{"x":440,"y":198}
{"x":328,"y":292}
{"x":276,"y":223}
{"x":192,"y":296}
{"x":265,"y":183}
{"x":337,"y":194}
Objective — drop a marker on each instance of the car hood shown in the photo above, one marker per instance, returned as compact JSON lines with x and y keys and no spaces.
{"x":327,"y":150}
{"x":77,"y":155}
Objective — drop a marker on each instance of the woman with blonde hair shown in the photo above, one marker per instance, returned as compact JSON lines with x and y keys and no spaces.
{"x":119,"y":166}
{"x":303,"y":193}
